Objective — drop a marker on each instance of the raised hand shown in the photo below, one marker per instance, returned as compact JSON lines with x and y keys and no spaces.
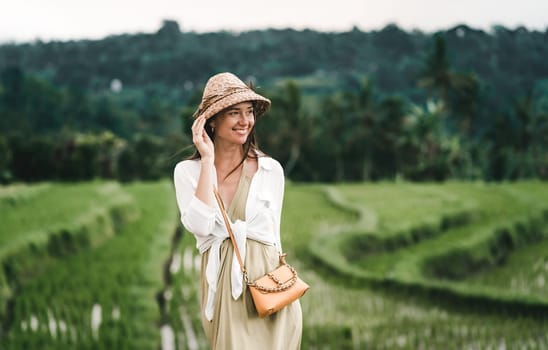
{"x":201,"y":139}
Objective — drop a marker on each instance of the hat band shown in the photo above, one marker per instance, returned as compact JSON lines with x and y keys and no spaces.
{"x":211,"y":100}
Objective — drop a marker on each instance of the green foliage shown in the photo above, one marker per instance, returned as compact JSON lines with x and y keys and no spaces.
{"x":147,"y":150}
{"x":51,"y":306}
{"x":147,"y":276}
{"x":424,"y":258}
{"x":384,"y":315}
{"x":344,"y":104}
{"x":329,"y":337}
{"x":293,"y":124}
{"x":172,"y":58}
{"x":461,"y":262}
{"x":5,"y":160}
{"x":59,"y":228}
{"x":436,"y":75}
{"x":72,"y":156}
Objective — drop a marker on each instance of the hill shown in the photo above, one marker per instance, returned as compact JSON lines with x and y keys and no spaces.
{"x":175,"y":63}
{"x":459,"y":103}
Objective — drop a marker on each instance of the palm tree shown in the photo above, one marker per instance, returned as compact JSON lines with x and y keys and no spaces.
{"x":362,"y":133}
{"x":437,"y":77}
{"x":459,"y":92}
{"x":334,"y":133}
{"x":286,"y":129}
{"x":295,"y":132}
{"x":532,"y":140}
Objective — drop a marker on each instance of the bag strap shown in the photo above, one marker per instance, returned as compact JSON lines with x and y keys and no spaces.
{"x":230,"y":233}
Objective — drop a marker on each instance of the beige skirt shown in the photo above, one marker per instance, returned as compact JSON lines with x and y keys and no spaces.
{"x":235,"y":323}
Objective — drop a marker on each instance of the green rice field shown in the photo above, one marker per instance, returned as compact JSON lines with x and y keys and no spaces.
{"x":392,"y":265}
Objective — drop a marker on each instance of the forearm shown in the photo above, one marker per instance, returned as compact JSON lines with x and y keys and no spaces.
{"x":206,"y":181}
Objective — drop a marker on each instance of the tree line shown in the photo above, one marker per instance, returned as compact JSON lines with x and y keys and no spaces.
{"x":172,"y":64}
{"x":452,"y":134}
{"x":444,"y":120}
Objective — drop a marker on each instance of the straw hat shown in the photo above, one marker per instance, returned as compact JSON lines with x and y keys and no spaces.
{"x":224,"y":90}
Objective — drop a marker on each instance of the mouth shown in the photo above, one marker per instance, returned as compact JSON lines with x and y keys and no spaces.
{"x":240,"y":131}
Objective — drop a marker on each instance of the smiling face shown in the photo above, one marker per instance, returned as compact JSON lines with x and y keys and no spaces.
{"x":234,"y":124}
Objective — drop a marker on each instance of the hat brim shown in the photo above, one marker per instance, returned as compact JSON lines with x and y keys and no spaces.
{"x":261,"y":104}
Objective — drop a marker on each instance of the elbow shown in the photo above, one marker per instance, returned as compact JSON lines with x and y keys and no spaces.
{"x":198,"y":218}
{"x":199,"y":228}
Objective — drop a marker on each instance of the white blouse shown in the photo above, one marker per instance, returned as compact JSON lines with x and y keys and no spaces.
{"x":263,"y":212}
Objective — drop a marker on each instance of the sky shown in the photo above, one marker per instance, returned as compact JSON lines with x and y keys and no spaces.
{"x":29,"y":20}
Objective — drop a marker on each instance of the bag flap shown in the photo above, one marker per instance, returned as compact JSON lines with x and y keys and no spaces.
{"x":282,"y":274}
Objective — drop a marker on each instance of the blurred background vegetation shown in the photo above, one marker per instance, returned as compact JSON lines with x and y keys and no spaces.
{"x":456,"y":104}
{"x":93,"y":254}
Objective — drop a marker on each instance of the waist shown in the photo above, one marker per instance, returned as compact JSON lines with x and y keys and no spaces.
{"x":250,"y":240}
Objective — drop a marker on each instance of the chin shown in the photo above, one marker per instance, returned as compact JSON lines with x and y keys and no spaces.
{"x":241,"y":139}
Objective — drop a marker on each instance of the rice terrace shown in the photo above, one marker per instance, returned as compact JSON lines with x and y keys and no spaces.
{"x":414,"y":158}
{"x":392,"y":265}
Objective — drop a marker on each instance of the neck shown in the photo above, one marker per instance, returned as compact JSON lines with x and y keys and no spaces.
{"x":228,"y":155}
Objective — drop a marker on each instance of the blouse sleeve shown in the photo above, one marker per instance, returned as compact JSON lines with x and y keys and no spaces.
{"x":279,"y":185}
{"x":196,"y":216}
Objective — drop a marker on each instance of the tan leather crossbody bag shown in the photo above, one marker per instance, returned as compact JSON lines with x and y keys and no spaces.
{"x":274,"y":290}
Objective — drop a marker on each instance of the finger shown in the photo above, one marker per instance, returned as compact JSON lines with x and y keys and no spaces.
{"x":196,"y":136}
{"x":201,"y":124}
{"x":200,"y":137}
{"x":197,"y":127}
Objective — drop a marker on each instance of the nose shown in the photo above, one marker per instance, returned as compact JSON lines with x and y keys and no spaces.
{"x":245,"y":120}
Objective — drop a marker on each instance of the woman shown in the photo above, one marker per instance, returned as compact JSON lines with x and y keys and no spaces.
{"x":251,"y":186}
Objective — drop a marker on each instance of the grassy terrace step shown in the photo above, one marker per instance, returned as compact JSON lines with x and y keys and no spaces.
{"x":371,"y":318}
{"x":118,"y":280}
{"x":484,"y":246}
{"x":397,"y":206}
{"x":122,"y":276}
{"x":339,"y":316}
{"x":55,"y":207}
{"x":520,"y":206}
{"x":379,"y":230}
{"x":525,"y":271}
{"x":407,"y":263}
{"x":19,"y":192}
{"x":45,"y":223}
